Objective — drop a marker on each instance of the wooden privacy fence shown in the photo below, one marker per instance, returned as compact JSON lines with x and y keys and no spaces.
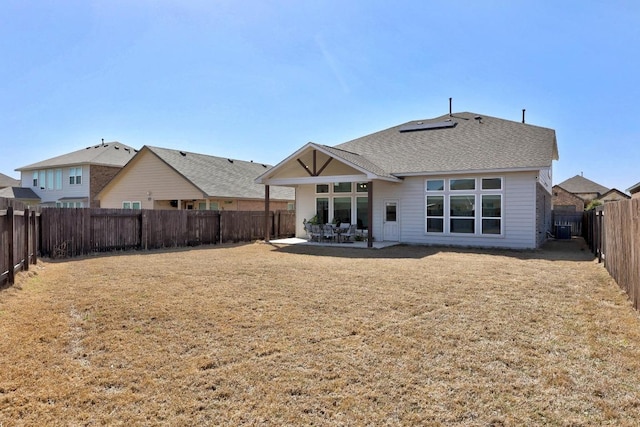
{"x":68,"y":232}
{"x":571,"y":219}
{"x":18,"y":239}
{"x":614,"y":236}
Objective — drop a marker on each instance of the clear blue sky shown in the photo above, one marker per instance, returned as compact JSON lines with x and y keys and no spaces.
{"x":256,"y":80}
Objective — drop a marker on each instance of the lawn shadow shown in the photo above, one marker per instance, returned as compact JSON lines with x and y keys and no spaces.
{"x":574,"y":249}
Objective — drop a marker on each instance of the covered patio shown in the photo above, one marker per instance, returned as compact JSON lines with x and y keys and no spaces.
{"x":352,"y":245}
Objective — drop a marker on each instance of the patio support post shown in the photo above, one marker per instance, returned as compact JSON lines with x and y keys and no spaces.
{"x":266,"y":213}
{"x":370,"y":214}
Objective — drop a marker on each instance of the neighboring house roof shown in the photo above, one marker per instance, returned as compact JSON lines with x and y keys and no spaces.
{"x":219,"y":176}
{"x":579,"y":184}
{"x":634,"y":188}
{"x":20,"y":193}
{"x":107,"y":154}
{"x":614,"y":194}
{"x":7,"y":181}
{"x":460,"y":142}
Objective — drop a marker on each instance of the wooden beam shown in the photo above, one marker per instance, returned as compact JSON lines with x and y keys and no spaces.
{"x":370,"y":214}
{"x":305,"y":167}
{"x":266,"y":213}
{"x":324,"y":166}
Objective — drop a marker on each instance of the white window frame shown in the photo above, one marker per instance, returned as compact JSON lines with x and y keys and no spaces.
{"x":75,"y":176}
{"x":135,"y":205}
{"x":477,"y":193}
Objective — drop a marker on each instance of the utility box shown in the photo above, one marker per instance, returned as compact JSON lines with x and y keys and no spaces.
{"x":563,"y":232}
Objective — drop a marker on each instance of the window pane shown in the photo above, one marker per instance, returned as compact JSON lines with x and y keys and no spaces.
{"x":462,"y":184}
{"x":491,"y":183}
{"x":490,"y":226}
{"x":58,"y":179}
{"x":342,"y":209}
{"x":126,"y":205}
{"x":202,"y":206}
{"x":322,"y":210}
{"x":391,"y":212}
{"x":435,"y":205}
{"x":462,"y":205}
{"x":135,"y":205}
{"x":35,"y":179}
{"x":462,"y":225}
{"x":362,"y":187}
{"x":41,"y":179}
{"x":322,"y":188}
{"x":491,"y":206}
{"x":342,"y":187}
{"x":50,"y":179}
{"x":213,"y":206}
{"x":435,"y":225}
{"x":435,"y":185}
{"x":362,"y":212}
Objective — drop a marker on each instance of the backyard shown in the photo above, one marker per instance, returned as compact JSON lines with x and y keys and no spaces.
{"x":261,"y":334}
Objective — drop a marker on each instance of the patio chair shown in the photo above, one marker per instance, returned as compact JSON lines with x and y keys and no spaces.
{"x":316,"y":232}
{"x":348,"y":233}
{"x":308,"y":228}
{"x":328,"y":233}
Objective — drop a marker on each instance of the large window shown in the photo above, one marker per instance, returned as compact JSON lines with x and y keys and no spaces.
{"x":58,"y":179}
{"x":343,"y":202}
{"x":451,"y":206}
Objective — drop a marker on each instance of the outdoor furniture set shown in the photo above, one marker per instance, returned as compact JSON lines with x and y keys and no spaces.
{"x":342,"y":233}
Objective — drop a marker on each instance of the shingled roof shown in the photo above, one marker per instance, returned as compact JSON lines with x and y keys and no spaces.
{"x":220,"y":176}
{"x":107,"y":154}
{"x":7,"y":181}
{"x":460,"y":142}
{"x":579,"y":184}
{"x":20,"y":193}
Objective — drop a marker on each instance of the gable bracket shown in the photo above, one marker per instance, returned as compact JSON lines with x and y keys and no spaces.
{"x":315,"y":171}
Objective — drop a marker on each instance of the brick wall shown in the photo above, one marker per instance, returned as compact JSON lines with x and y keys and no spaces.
{"x":100,"y":176}
{"x":562,"y":198}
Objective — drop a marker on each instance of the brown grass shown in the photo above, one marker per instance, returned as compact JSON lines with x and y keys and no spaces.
{"x":259,"y":334}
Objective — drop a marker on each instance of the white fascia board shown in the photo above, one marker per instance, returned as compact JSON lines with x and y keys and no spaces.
{"x":470,"y":172}
{"x":316,"y":180}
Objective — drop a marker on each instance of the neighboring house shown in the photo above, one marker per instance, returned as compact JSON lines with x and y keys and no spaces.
{"x":24,"y":195}
{"x":564,"y":201}
{"x":7,"y":181}
{"x":459,"y":179}
{"x":74,"y":179}
{"x":584,"y":189}
{"x":160,"y":178}
{"x":635,"y":191}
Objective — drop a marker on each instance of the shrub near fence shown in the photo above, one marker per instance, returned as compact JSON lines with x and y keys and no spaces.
{"x":19,"y":229}
{"x":70,"y":232}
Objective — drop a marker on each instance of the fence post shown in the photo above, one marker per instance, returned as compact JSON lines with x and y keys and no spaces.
{"x":144,"y":233}
{"x":11,"y":242}
{"x":34,"y":236}
{"x":25,"y":250}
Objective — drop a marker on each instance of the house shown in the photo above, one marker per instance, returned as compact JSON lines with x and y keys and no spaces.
{"x":635,"y":191}
{"x":161,"y":178}
{"x":460,"y":179}
{"x":579,"y":191}
{"x":7,"y":181}
{"x":24,"y":195}
{"x":74,"y":179}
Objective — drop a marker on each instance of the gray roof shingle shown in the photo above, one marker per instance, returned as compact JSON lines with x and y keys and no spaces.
{"x":580,"y":184}
{"x":221,"y":177}
{"x":7,"y":181}
{"x":20,"y":193}
{"x":471,"y":144}
{"x":107,"y":154}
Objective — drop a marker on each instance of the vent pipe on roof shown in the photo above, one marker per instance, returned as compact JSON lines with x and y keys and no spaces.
{"x":450,"y":106}
{"x":103,"y":142}
{"x":523,"y":110}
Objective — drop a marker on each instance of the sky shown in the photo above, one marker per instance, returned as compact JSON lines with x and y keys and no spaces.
{"x":256,"y":80}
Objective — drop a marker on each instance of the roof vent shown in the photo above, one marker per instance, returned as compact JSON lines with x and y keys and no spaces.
{"x":116,"y":147}
{"x":230,"y":160}
{"x":183,"y":154}
{"x":264,"y":166}
{"x":478,"y":119}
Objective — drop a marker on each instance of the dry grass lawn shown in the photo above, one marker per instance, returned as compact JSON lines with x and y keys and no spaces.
{"x":265,"y":335}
